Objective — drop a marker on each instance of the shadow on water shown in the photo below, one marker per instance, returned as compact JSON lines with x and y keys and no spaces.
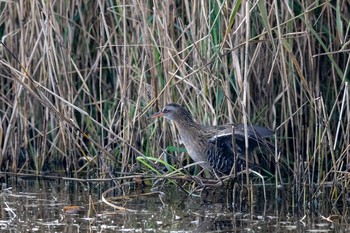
{"x":45,"y":206}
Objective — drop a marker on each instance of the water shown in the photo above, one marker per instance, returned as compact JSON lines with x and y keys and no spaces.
{"x":38,"y":206}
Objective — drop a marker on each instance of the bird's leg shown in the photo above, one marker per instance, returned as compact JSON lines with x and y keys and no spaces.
{"x":203,"y":188}
{"x":197,"y":188}
{"x":199,"y":181}
{"x":200,"y":188}
{"x":218,"y":178}
{"x":208,"y":183}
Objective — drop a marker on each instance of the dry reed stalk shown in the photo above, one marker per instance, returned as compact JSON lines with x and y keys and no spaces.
{"x":97,"y":68}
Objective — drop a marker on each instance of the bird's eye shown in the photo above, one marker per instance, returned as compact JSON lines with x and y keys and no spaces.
{"x":165,"y":110}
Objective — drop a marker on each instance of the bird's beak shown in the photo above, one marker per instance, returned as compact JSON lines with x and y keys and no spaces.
{"x":157,"y":114}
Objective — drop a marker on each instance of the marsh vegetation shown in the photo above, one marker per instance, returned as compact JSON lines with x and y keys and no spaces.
{"x":79,"y":79}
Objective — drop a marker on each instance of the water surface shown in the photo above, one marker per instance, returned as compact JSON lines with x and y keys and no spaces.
{"x":45,"y":206}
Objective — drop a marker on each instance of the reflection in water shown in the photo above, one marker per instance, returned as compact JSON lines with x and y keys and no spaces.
{"x":37,"y":205}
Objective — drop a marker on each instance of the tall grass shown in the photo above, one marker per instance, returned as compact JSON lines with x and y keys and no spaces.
{"x":83,"y":76}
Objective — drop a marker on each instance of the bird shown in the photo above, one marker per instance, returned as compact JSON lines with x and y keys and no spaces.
{"x":212,"y":146}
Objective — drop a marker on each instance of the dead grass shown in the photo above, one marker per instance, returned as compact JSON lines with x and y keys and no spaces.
{"x":80,"y":77}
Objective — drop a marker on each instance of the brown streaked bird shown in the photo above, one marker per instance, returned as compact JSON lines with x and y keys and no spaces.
{"x":212,"y":146}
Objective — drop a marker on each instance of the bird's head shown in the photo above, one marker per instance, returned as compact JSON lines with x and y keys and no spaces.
{"x":174,"y":112}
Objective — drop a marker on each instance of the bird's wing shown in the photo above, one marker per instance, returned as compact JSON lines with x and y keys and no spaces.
{"x":220,"y":154}
{"x":256,"y":135}
{"x":255,"y":130}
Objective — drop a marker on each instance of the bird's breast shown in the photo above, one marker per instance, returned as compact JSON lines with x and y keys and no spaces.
{"x":195,"y":147}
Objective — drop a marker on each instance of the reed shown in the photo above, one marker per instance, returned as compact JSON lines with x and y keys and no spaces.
{"x":79,"y":78}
